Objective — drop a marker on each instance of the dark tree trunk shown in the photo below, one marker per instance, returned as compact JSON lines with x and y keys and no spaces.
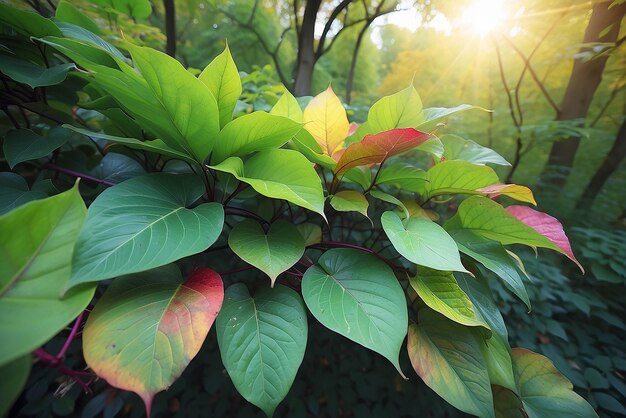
{"x":306,"y":50}
{"x":170,"y":27}
{"x":355,"y":57}
{"x":583,"y":83}
{"x":610,"y":164}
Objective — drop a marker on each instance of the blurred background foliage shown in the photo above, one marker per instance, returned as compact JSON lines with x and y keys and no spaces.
{"x":522,"y":66}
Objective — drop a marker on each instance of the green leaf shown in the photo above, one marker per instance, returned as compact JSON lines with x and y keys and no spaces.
{"x":86,"y":36}
{"x":494,"y":257}
{"x":399,"y":110}
{"x":422,"y":242}
{"x":85,"y":53}
{"x":14,"y":192}
{"x":27,"y":23}
{"x":403,"y":176}
{"x":262,"y":340}
{"x":435,"y":115}
{"x":440,"y":291}
{"x":457,"y":148}
{"x":191,"y":110}
{"x":288,"y":107}
{"x":311,"y":233}
{"x":350,"y":201}
{"x":253,"y":132}
{"x":66,"y":12}
{"x":490,"y":220}
{"x":143,"y":223}
{"x":272,"y":253}
{"x":147,"y":327}
{"x":357,"y":295}
{"x":155,"y":145}
{"x":544,"y":391}
{"x":14,"y":376}
{"x":496,"y":349}
{"x":222,"y":78}
{"x":451,"y":177}
{"x":37,"y":242}
{"x":448,"y":358}
{"x":386,"y":197}
{"x":506,"y":403}
{"x":23,"y":144}
{"x":279,"y":174}
{"x":33,"y":75}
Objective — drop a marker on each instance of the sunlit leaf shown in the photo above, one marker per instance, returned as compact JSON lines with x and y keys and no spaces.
{"x":148,"y":326}
{"x":66,"y":12}
{"x":376,"y":148}
{"x":273,"y":252}
{"x":451,"y":177}
{"x":357,"y":295}
{"x":222,"y":78}
{"x":514,"y":191}
{"x":37,"y":242}
{"x":422,"y":242}
{"x":144,"y":223}
{"x":325,"y":118}
{"x":350,"y":201}
{"x":399,"y":110}
{"x":404,"y":176}
{"x":262,"y":340}
{"x":448,"y":358}
{"x":436,"y":115}
{"x":288,"y":107}
{"x":27,"y":23}
{"x":457,"y":148}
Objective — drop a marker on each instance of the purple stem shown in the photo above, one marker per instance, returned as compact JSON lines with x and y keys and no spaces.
{"x":325,"y":244}
{"x":77,"y":174}
{"x":70,"y":338}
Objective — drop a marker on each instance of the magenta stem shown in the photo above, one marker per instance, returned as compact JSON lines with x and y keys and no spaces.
{"x":72,"y":335}
{"x":77,"y":174}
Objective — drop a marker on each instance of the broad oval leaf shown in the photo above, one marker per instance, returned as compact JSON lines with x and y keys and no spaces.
{"x":253,"y":132}
{"x":376,"y":148}
{"x":325,"y":118}
{"x":450,"y":177}
{"x":222,"y":79}
{"x":66,"y":12}
{"x":144,"y":223}
{"x":27,"y":23}
{"x":404,"y":176}
{"x":544,"y":391}
{"x":448,"y":358}
{"x":23,"y":144}
{"x":514,"y":191}
{"x":262,"y":340}
{"x":422,"y":242}
{"x":34,"y":75}
{"x":547,"y":226}
{"x":279,"y":174}
{"x":37,"y":242}
{"x":457,"y":148}
{"x":148,"y":326}
{"x":400,"y":110}
{"x":272,"y":253}
{"x":489,"y":219}
{"x":14,"y":377}
{"x":357,"y":295}
{"x":288,"y":107}
{"x":441,"y":292}
{"x":350,"y":201}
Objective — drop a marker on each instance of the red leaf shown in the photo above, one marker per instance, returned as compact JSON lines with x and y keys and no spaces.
{"x":547,"y":226}
{"x":376,"y":148}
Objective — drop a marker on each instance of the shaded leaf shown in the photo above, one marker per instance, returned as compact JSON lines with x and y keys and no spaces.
{"x":311,"y":233}
{"x":262,"y":340}
{"x":14,"y":376}
{"x":14,"y":192}
{"x":357,"y":295}
{"x":23,"y":144}
{"x":147,"y":327}
{"x":27,"y":23}
{"x":33,"y":75}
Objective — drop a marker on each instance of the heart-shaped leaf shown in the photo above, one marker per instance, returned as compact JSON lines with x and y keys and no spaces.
{"x":422,"y":242}
{"x":262,"y":340}
{"x":448,"y":358}
{"x":23,"y":144}
{"x":357,"y":295}
{"x":350,"y":201}
{"x":148,"y":326}
{"x":326,"y":119}
{"x":400,"y":110}
{"x":144,"y":223}
{"x":14,"y":192}
{"x":37,"y":242}
{"x":376,"y":148}
{"x":272,"y":253}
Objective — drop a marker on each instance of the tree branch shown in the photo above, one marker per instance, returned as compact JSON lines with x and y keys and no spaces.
{"x":333,"y":15}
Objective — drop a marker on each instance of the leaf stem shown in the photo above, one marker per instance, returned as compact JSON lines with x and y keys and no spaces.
{"x":70,"y":338}
{"x":77,"y":174}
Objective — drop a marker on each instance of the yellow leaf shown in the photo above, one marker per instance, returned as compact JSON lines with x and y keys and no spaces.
{"x":514,"y":191}
{"x":326,"y":119}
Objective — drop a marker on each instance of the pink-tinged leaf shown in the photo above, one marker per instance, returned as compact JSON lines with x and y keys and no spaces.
{"x":376,"y":148}
{"x":148,"y":326}
{"x":514,"y":191}
{"x":353,"y":127}
{"x":547,"y":226}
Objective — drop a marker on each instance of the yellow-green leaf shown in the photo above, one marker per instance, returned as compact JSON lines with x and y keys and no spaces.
{"x":326,"y":119}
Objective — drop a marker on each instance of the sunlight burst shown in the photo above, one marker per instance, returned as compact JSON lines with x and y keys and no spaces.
{"x":485,"y":16}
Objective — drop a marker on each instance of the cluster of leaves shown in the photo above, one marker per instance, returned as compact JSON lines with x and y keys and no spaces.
{"x":179,"y":190}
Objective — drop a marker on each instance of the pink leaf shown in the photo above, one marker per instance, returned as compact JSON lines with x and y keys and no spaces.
{"x":547,"y":226}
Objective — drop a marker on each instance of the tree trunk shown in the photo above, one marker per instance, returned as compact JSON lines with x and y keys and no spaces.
{"x":306,"y":50}
{"x":355,"y":56}
{"x":610,"y":164}
{"x":170,"y":27}
{"x":583,"y":83}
